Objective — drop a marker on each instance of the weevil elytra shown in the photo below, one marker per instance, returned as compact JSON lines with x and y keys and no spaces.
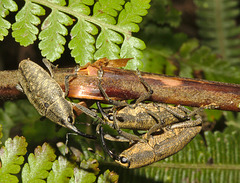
{"x":45,"y":94}
{"x":159,"y":146}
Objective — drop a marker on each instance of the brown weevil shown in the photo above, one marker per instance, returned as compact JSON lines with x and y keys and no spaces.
{"x":45,"y":94}
{"x":161,"y":144}
{"x":142,"y":116}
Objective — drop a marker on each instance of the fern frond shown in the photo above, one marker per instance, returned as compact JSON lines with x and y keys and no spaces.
{"x":109,"y":177}
{"x":62,"y":171}
{"x":194,"y":57}
{"x":38,"y":164}
{"x":5,"y":7}
{"x":218,"y":27}
{"x":24,"y":29}
{"x":11,"y":158}
{"x":114,"y":22}
{"x":52,"y":33}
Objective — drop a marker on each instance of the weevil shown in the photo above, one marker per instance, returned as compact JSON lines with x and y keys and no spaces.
{"x":160,"y":145}
{"x":142,"y":116}
{"x":45,"y":94}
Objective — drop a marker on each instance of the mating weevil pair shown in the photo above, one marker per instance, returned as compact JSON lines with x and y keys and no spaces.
{"x":169,"y":128}
{"x":49,"y":99}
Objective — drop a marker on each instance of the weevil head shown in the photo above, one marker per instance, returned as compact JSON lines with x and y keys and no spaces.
{"x":138,"y":155}
{"x":61,"y":112}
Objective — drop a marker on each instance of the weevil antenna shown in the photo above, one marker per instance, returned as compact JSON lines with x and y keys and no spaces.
{"x":110,"y":153}
{"x":73,"y":128}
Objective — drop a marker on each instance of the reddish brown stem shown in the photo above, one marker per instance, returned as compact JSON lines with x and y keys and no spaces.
{"x":124,"y":84}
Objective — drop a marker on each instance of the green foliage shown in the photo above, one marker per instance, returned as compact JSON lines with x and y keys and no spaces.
{"x":216,"y":161}
{"x":217,"y":21}
{"x":1,"y":134}
{"x":108,"y":177}
{"x":105,"y":29}
{"x":11,"y":158}
{"x":42,"y":165}
{"x":5,"y":7}
{"x":24,"y":29}
{"x":196,"y":58}
{"x":102,"y":31}
{"x":61,"y":171}
{"x":232,"y":119}
{"x":38,"y":164}
{"x":23,"y":114}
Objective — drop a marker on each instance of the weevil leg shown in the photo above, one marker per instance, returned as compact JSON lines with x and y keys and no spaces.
{"x":126,"y":135}
{"x":66,"y":80}
{"x":66,"y":142}
{"x":89,"y":112}
{"x":110,"y":101}
{"x":174,"y":112}
{"x":115,"y":138}
{"x":49,"y":66}
{"x":146,"y":85}
{"x":188,"y":123}
{"x":189,"y":112}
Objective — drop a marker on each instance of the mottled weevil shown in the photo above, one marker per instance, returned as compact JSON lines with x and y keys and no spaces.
{"x":160,"y":145}
{"x":147,"y":116}
{"x":45,"y":94}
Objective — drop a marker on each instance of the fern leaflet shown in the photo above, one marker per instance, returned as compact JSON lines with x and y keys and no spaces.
{"x":11,"y":158}
{"x":5,"y":7}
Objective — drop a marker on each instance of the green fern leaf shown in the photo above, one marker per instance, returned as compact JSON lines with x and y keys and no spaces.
{"x":38,"y":164}
{"x":52,"y":33}
{"x":24,"y":29}
{"x":132,"y":14}
{"x":82,"y":40}
{"x":5,"y":7}
{"x":87,"y":172}
{"x":108,"y":40}
{"x":217,"y":21}
{"x":81,"y":6}
{"x":106,"y":10}
{"x":202,"y":59}
{"x":82,"y":43}
{"x":131,"y":49}
{"x":108,"y":177}
{"x":107,"y":44}
{"x":86,"y":42}
{"x":82,"y":176}
{"x":62,"y":170}
{"x":11,"y":158}
{"x":127,"y":20}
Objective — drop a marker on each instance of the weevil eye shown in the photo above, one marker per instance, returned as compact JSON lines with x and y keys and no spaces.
{"x":70,"y":119}
{"x":110,"y":117}
{"x":123,"y":159}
